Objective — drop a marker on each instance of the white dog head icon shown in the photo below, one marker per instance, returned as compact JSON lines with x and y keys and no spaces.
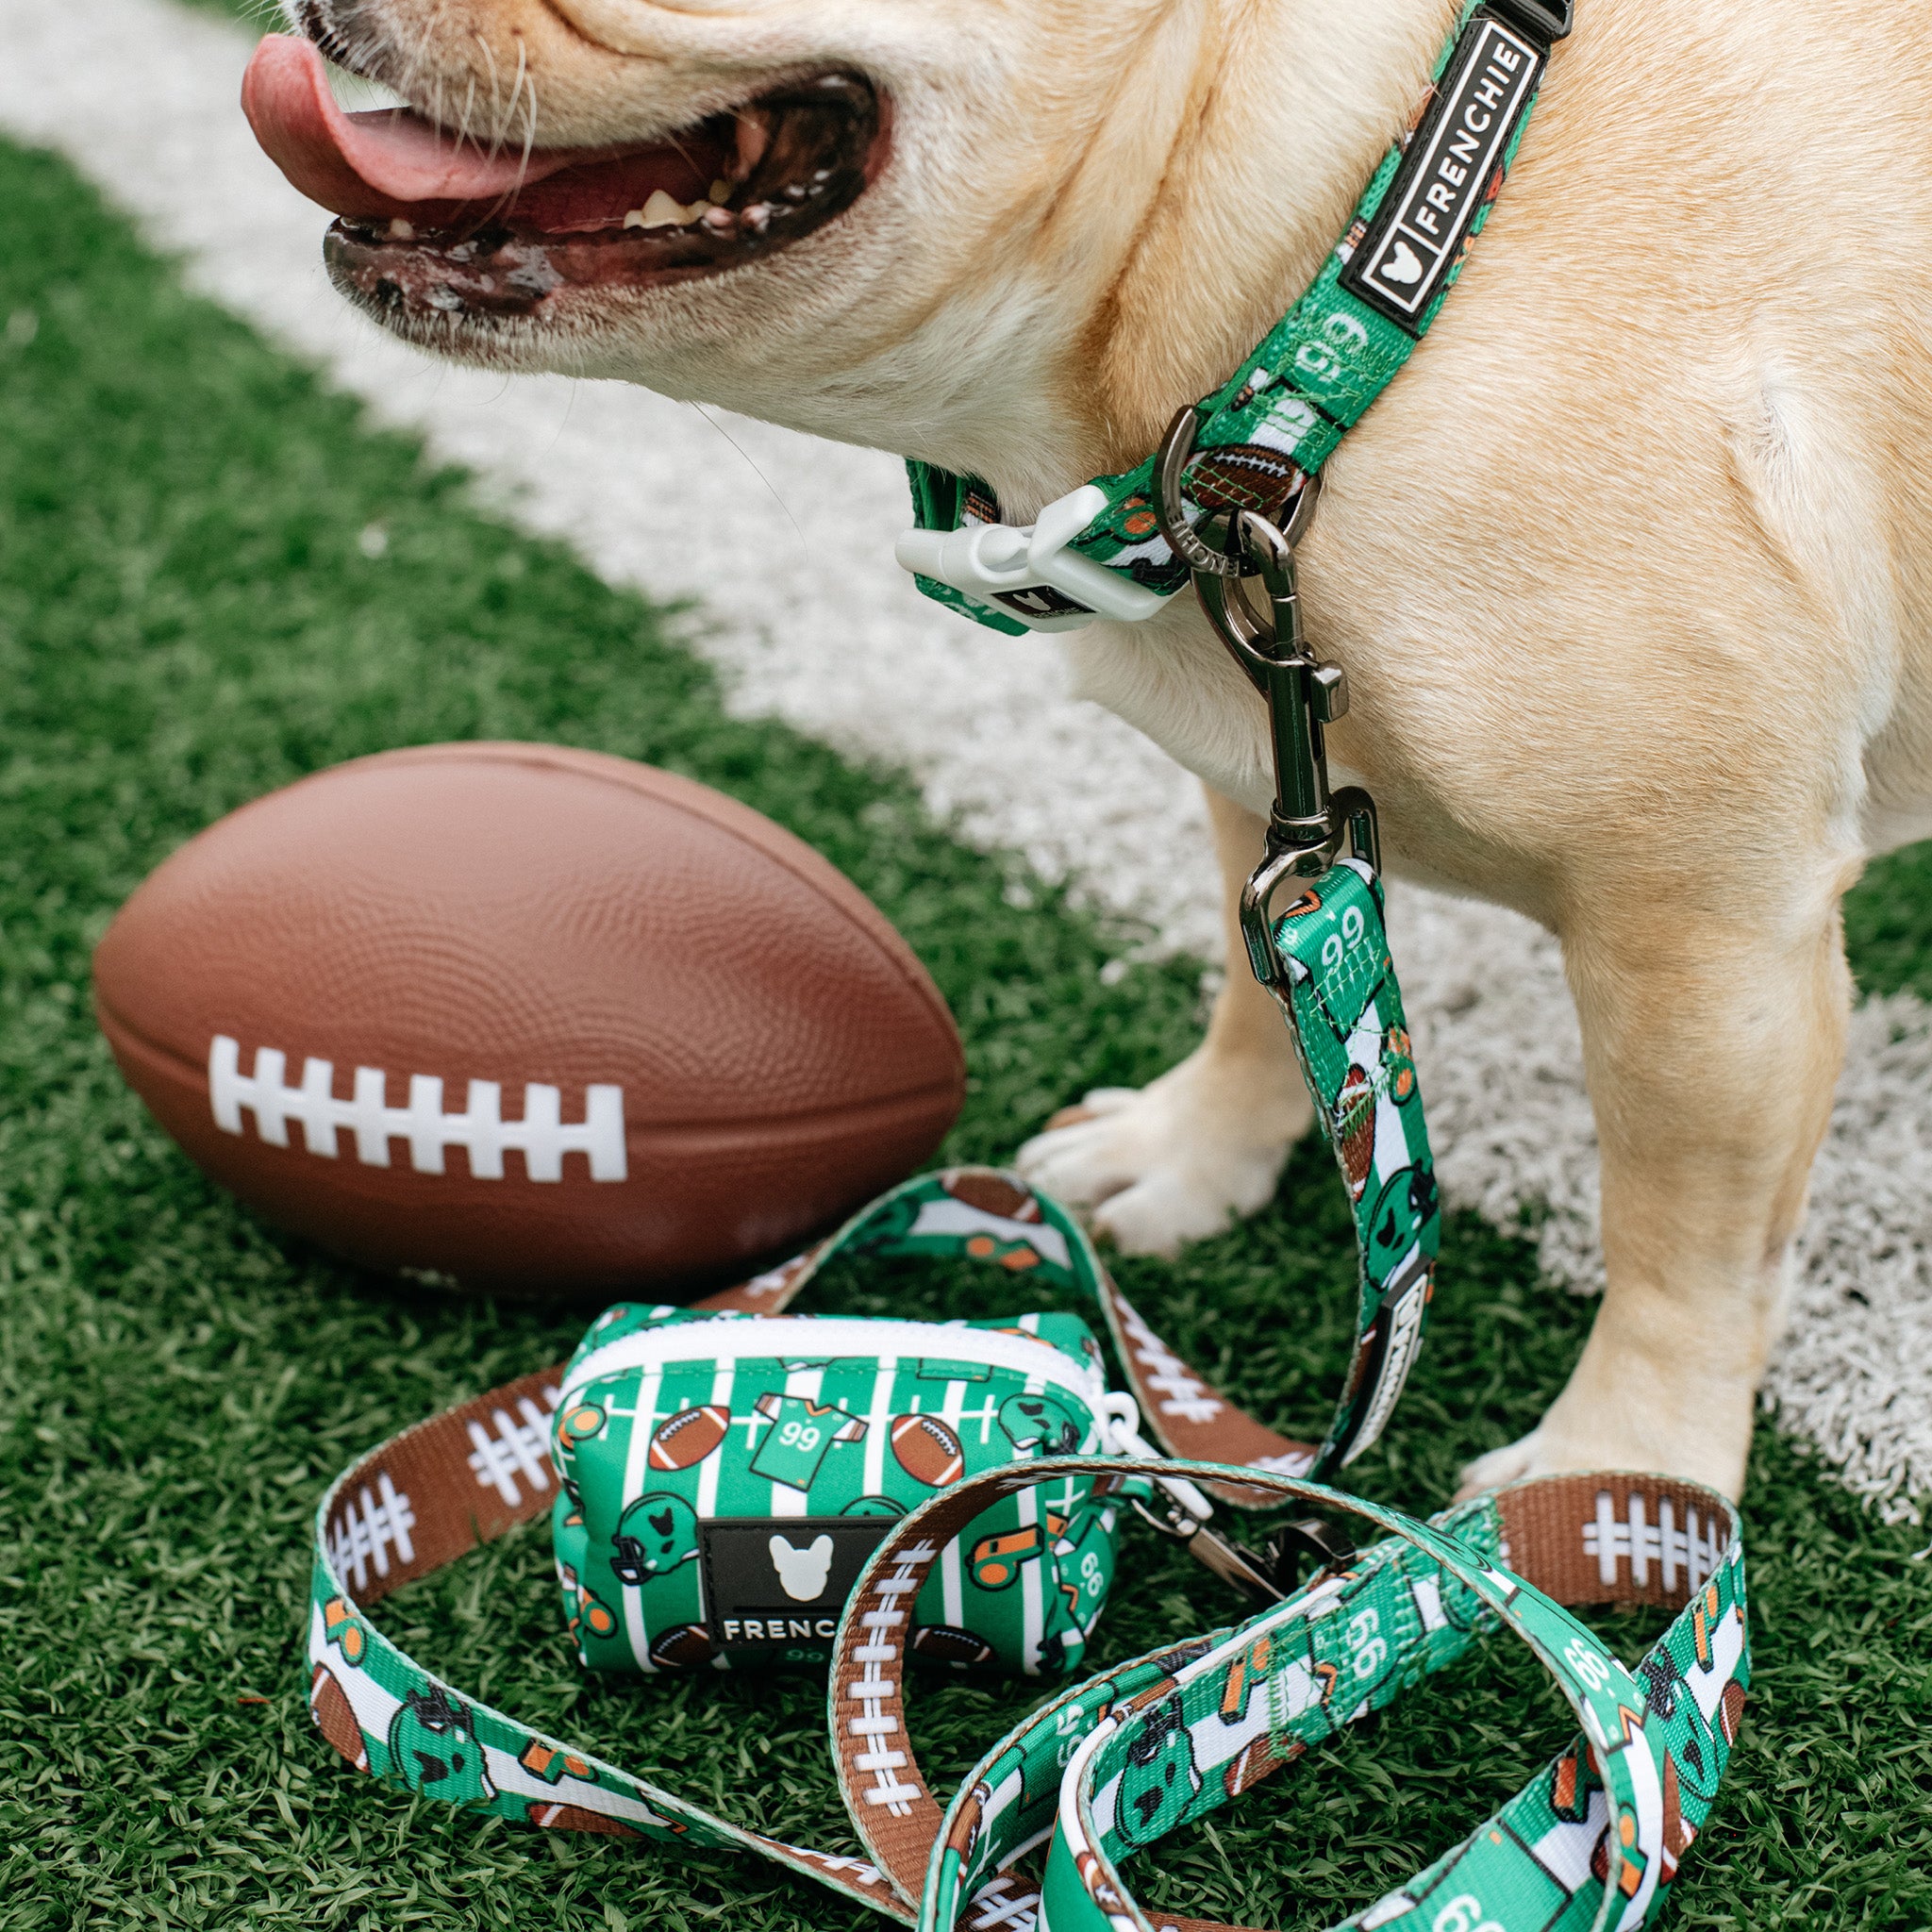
{"x":802,"y":1572}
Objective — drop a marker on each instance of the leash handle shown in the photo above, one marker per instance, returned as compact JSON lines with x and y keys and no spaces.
{"x":1652,"y":1752}
{"x":1118,"y":1761}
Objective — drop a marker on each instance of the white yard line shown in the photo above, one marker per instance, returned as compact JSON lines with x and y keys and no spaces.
{"x":785,"y":542}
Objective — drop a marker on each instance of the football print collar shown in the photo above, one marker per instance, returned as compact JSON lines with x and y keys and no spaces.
{"x":1113,"y":548}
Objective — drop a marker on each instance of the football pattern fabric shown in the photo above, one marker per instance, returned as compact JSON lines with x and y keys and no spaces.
{"x":833,"y":1427}
{"x":1352,"y":1037}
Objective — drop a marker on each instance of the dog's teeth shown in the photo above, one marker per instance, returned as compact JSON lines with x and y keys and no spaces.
{"x":400,"y":230}
{"x":720,"y":192}
{"x":661,"y":211}
{"x":720,"y":220}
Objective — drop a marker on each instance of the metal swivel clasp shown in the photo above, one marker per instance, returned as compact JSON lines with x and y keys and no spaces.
{"x":1309,"y":822}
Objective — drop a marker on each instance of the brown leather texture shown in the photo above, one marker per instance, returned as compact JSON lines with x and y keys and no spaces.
{"x":524,"y":914}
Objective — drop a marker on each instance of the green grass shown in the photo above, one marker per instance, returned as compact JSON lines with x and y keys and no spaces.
{"x":186,"y":621}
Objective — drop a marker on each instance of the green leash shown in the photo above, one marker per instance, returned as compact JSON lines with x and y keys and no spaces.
{"x":1593,"y":1840}
{"x":1115,"y":1763}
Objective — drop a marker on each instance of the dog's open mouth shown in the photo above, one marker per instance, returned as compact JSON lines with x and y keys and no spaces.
{"x":442,"y":228}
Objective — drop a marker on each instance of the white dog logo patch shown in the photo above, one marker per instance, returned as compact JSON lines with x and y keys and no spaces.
{"x":802,"y":1572}
{"x":1404,"y":264}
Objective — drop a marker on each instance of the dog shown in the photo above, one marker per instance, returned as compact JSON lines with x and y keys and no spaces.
{"x":1630,"y":569}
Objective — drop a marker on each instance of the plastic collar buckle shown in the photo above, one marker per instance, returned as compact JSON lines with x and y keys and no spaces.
{"x":1029,"y":572}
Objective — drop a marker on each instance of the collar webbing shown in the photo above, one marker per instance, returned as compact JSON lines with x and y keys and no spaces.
{"x":1281,"y":416}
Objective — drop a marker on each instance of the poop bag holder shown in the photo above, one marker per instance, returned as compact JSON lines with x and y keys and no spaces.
{"x":725,"y":1469}
{"x":724,"y":1474}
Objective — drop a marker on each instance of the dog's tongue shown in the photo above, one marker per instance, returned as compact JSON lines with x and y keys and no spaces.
{"x":386,"y":164}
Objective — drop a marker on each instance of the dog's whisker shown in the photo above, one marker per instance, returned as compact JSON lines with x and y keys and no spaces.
{"x":529,"y":134}
{"x":502,"y":131}
{"x":771,"y":488}
{"x":495,"y":77}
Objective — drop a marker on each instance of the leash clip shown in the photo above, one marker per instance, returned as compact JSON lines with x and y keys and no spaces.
{"x":1264,"y":1577}
{"x":1310,"y":824}
{"x":1329,"y":1547}
{"x":1252,"y":1575}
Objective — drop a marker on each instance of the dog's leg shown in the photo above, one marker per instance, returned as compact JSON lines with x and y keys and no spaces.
{"x":1180,"y":1159}
{"x":1712,"y":1043}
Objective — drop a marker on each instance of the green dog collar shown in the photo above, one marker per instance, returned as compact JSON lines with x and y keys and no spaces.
{"x":1100,"y":552}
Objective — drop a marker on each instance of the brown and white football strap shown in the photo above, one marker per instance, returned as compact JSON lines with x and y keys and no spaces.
{"x":1126,"y":1756}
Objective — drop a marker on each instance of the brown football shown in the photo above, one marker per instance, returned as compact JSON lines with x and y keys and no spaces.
{"x":528,"y":1018}
{"x":928,"y":1450}
{"x":687,"y":1438}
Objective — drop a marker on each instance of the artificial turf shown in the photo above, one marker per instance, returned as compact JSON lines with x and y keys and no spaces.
{"x":188,"y":618}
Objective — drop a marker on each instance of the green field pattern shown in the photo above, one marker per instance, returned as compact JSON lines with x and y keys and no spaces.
{"x":188,"y":618}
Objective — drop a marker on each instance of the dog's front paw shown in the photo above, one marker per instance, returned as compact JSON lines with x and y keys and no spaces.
{"x":1160,"y":1165}
{"x":1704,"y":1441}
{"x":1508,"y":1464}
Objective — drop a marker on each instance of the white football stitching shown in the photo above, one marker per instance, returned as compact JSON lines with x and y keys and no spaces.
{"x":542,"y":1136}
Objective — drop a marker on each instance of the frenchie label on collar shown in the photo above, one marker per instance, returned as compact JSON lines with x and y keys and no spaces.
{"x":779,"y":1582}
{"x":1451,"y":171}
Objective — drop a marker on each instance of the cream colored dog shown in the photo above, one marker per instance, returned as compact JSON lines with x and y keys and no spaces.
{"x":1631,"y":569}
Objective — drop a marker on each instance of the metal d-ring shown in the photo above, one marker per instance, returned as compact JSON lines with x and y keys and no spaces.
{"x":1169,"y":469}
{"x":1169,"y":476}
